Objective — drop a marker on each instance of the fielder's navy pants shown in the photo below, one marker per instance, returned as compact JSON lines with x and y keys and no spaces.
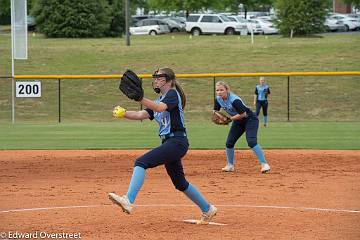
{"x":168,"y":153}
{"x":249,"y":125}
{"x":263,"y":105}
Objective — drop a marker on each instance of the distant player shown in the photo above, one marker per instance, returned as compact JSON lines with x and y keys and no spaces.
{"x":262,"y":91}
{"x":167,"y":110}
{"x":244,"y":120}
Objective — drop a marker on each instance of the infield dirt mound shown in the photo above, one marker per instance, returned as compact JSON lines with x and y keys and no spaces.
{"x":299,"y":178}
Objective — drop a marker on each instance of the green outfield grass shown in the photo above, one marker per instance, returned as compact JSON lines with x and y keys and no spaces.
{"x":331,"y":52}
{"x":202,"y":135}
{"x":332,"y":101}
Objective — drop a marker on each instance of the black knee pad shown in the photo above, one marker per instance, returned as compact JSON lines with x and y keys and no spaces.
{"x":140,"y":163}
{"x":230,"y":145}
{"x":252,"y":143}
{"x":182,"y":185}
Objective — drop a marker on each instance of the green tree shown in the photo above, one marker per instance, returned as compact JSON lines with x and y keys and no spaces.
{"x":134,"y":4}
{"x":304,"y":17}
{"x":229,"y":5}
{"x":5,"y":17}
{"x":235,"y":6}
{"x":117,"y":18}
{"x":263,"y":5}
{"x":5,"y":13}
{"x":189,"y":6}
{"x":72,"y":18}
{"x":355,"y":3}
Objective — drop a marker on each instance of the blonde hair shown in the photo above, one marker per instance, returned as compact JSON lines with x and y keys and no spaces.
{"x":224,"y":84}
{"x":171,"y":76}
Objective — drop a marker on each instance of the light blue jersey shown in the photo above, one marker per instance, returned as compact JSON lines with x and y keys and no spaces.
{"x":262,"y":91}
{"x":232,"y":105}
{"x":171,"y":120}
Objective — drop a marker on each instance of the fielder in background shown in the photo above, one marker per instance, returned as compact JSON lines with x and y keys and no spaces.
{"x":243,"y":120}
{"x":262,"y":91}
{"x":167,"y":110}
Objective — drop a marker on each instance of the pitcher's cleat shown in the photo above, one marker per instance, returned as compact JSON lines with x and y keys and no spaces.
{"x":228,"y":168}
{"x":207,"y":216}
{"x":265,"y":168}
{"x":122,"y":201}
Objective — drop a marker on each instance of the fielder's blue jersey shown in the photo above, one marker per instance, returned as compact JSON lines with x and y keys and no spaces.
{"x":262,"y":91}
{"x":232,"y":105}
{"x":171,"y":120}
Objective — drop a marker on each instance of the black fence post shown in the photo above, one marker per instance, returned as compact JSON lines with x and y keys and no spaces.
{"x":214,"y":88}
{"x":59,"y":99}
{"x":288,"y":100}
{"x":141,"y":108}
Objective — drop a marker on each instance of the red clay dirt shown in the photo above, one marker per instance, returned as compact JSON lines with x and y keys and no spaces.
{"x":313,"y":183}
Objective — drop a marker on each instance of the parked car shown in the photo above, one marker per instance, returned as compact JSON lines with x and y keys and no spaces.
{"x":149,"y":26}
{"x":333,"y":25}
{"x":197,"y":24}
{"x":267,"y":18}
{"x":180,"y":20}
{"x":174,"y":26}
{"x":251,"y":15}
{"x":256,"y":28}
{"x":353,"y":15}
{"x":350,"y":23}
{"x":266,"y":26}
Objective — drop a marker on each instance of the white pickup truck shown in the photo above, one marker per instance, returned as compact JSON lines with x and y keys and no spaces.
{"x":198,"y":24}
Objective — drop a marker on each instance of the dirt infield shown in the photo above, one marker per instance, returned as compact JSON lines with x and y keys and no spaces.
{"x":309,"y":194}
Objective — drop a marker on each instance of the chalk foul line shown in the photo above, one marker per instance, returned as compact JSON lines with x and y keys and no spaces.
{"x":187,"y":205}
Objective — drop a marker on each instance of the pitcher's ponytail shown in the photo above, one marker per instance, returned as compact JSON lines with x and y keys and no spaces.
{"x":181,"y":92}
{"x":171,"y":76}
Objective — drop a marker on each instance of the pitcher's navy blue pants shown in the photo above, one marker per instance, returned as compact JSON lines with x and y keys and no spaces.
{"x":168,"y":153}
{"x":261,"y":104}
{"x":249,"y":125}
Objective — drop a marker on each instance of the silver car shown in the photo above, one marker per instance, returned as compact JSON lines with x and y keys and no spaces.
{"x":150,"y":27}
{"x":174,"y":26}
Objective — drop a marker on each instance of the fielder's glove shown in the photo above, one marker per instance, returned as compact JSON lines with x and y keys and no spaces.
{"x":131,"y":86}
{"x":220,"y":119}
{"x":119,"y":112}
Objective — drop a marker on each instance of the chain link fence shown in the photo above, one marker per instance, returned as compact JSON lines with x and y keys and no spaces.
{"x":292,"y":98}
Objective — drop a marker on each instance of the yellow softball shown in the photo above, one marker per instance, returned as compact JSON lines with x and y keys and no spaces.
{"x":119,"y":112}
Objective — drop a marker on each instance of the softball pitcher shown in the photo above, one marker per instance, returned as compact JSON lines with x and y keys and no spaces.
{"x":262,"y":91}
{"x":167,"y":110}
{"x":243,"y":120}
